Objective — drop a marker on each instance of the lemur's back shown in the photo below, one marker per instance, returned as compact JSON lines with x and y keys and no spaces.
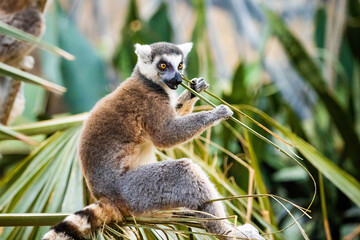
{"x":113,"y":134}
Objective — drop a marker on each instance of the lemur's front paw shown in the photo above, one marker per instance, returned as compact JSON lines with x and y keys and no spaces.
{"x":223,"y":112}
{"x":199,"y":84}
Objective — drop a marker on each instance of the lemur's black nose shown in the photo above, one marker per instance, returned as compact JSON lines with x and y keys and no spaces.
{"x":178,"y":78}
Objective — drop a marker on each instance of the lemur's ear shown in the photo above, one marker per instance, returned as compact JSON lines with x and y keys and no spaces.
{"x":143,"y":52}
{"x":185,"y":48}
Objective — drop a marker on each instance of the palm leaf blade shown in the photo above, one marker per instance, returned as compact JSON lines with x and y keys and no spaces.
{"x":23,"y":36}
{"x":6,"y":70}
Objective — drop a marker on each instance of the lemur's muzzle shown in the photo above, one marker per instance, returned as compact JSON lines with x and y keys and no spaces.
{"x":174,"y":82}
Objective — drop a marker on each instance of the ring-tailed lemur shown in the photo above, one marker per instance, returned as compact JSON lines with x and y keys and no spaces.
{"x":117,"y":149}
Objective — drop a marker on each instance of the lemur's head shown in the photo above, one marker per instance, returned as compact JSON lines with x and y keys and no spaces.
{"x":163,"y":62}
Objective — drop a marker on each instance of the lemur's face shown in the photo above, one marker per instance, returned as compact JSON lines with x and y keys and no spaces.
{"x":163,"y":62}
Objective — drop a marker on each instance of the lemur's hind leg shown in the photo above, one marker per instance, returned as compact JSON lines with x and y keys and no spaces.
{"x":185,"y":102}
{"x":173,"y":184}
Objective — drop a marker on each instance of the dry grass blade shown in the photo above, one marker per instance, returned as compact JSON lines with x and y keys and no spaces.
{"x":353,"y":234}
{"x":241,"y":123}
{"x":323,"y":208}
{"x":243,"y":114}
{"x":302,"y":209}
{"x":238,"y":159}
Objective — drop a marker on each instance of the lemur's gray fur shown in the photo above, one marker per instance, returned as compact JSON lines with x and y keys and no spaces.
{"x":117,"y":149}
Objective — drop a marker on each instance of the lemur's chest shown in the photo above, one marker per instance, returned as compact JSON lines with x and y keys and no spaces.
{"x":144,"y":154}
{"x":173,"y":97}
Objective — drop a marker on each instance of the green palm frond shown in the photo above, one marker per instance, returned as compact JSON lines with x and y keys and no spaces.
{"x":48,"y":180}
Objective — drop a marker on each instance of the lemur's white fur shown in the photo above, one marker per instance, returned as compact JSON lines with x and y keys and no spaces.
{"x":81,"y":223}
{"x":56,"y":236}
{"x":145,"y":154}
{"x":143,"y":52}
{"x":175,"y":61}
{"x":147,"y":66}
{"x":185,"y":48}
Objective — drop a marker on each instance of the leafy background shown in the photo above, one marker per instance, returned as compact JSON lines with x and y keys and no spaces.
{"x":293,"y":67}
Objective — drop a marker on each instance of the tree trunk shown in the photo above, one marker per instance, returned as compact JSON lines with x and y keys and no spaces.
{"x":26,"y":15}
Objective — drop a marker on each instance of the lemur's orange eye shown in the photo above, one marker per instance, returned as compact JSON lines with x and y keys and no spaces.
{"x":180,"y":66}
{"x":163,"y":65}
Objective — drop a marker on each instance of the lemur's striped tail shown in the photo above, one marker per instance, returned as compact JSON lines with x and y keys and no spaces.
{"x":81,"y":224}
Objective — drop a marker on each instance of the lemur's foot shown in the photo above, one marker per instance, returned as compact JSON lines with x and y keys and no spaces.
{"x":249,"y":231}
{"x":199,"y":84}
{"x":223,"y":112}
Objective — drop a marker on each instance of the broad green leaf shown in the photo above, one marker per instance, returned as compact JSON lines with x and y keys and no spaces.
{"x":159,"y":26}
{"x":85,"y":78}
{"x":320,"y":27}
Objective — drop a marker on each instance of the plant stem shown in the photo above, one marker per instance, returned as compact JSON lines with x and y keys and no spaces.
{"x":49,"y":219}
{"x":31,"y":219}
{"x":323,"y":208}
{"x":46,"y":126}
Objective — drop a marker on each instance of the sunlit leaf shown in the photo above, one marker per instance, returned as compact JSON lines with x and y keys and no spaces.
{"x":87,"y":72}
